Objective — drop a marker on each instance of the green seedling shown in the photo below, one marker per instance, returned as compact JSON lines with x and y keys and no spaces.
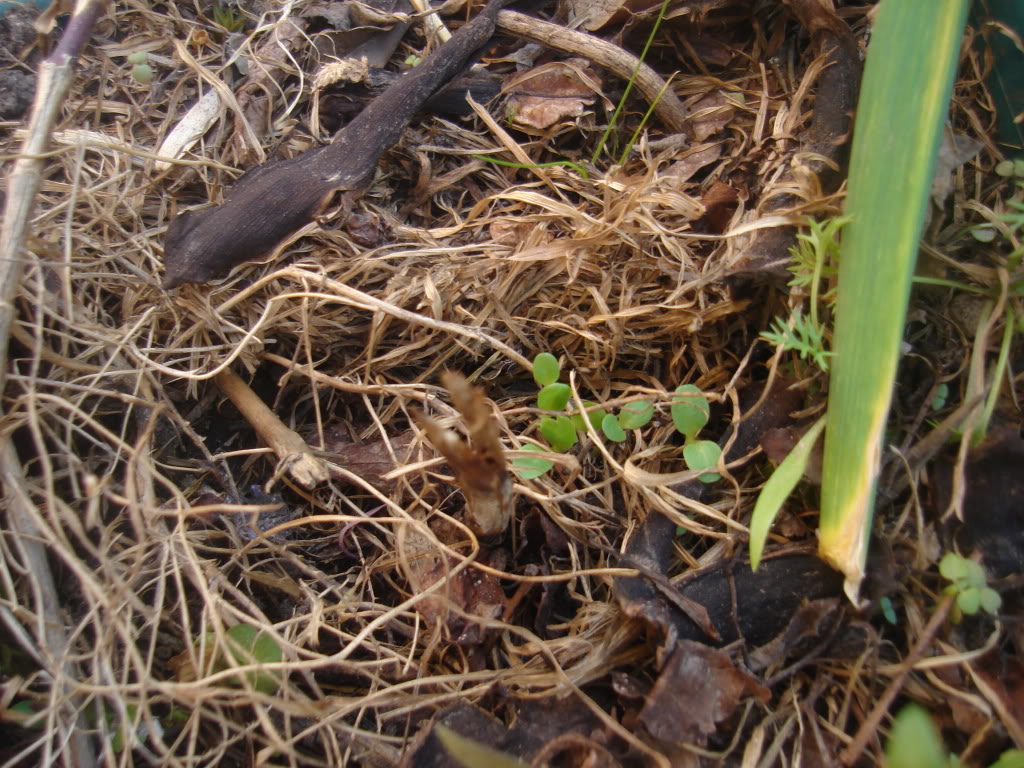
{"x":141,"y":72}
{"x":535,"y":166}
{"x":690,"y":412}
{"x":968,"y":583}
{"x":531,"y":467}
{"x":629,"y":86}
{"x":248,"y":645}
{"x":814,"y":261}
{"x":915,"y":742}
{"x":562,"y":430}
{"x":226,"y":18}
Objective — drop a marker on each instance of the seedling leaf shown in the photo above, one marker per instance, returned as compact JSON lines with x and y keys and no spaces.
{"x":953,"y":567}
{"x":635,"y":415}
{"x":612,"y":429}
{"x":559,"y":431}
{"x":554,"y":397}
{"x":991,"y":601}
{"x":777,"y":490}
{"x":596,"y":416}
{"x":690,"y":412}
{"x":545,"y":369}
{"x":530,"y":467}
{"x":914,"y":742}
{"x":248,"y":645}
{"x":703,"y":454}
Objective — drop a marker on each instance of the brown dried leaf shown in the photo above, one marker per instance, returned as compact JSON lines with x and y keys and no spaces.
{"x":479,"y":465}
{"x":710,"y":115}
{"x":551,"y":92}
{"x":371,"y":460}
{"x":468,"y":591}
{"x":698,"y":688}
{"x":693,"y":161}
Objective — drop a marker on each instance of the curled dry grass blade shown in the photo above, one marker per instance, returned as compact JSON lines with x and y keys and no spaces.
{"x":899,"y":120}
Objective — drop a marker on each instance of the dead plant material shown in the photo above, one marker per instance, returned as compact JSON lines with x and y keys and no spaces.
{"x":698,"y":688}
{"x":479,"y":465}
{"x":542,"y":97}
{"x":295,"y":456}
{"x":272,"y":203}
{"x":136,"y":535}
{"x":648,"y":82}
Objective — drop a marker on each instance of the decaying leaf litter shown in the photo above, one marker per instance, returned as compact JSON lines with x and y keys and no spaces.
{"x":602,"y":612}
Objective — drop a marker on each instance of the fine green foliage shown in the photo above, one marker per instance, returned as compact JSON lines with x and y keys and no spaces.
{"x":814,"y":266}
{"x":629,"y":86}
{"x":470,"y":753}
{"x":534,"y":166}
{"x":968,"y":583}
{"x":777,"y":490}
{"x":800,"y":334}
{"x":895,"y":142}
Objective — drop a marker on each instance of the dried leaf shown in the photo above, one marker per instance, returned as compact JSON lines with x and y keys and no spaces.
{"x":698,"y":688}
{"x":552,"y":92}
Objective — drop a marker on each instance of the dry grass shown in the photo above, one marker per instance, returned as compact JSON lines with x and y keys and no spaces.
{"x":143,"y":485}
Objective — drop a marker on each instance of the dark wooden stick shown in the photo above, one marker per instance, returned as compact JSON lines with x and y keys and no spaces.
{"x":273,"y":202}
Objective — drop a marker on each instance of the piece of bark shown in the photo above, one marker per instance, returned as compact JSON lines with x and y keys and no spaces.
{"x":271,"y":203}
{"x":767,"y":250}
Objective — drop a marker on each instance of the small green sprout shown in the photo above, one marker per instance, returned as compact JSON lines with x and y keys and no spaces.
{"x":814,"y":261}
{"x":914,"y":742}
{"x":531,"y":467}
{"x":545,"y":369}
{"x":141,"y":72}
{"x":559,"y":431}
{"x":249,"y":645}
{"x":226,"y":18}
{"x":969,"y":584}
{"x":690,"y":412}
{"x":562,"y":430}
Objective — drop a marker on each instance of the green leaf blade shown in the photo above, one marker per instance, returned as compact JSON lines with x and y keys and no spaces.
{"x":778,"y":488}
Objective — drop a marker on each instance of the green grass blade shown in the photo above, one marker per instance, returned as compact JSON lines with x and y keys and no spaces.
{"x":777,"y":490}
{"x":904,"y":99}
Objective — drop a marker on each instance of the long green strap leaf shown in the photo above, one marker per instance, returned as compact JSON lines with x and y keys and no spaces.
{"x":904,"y":100}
